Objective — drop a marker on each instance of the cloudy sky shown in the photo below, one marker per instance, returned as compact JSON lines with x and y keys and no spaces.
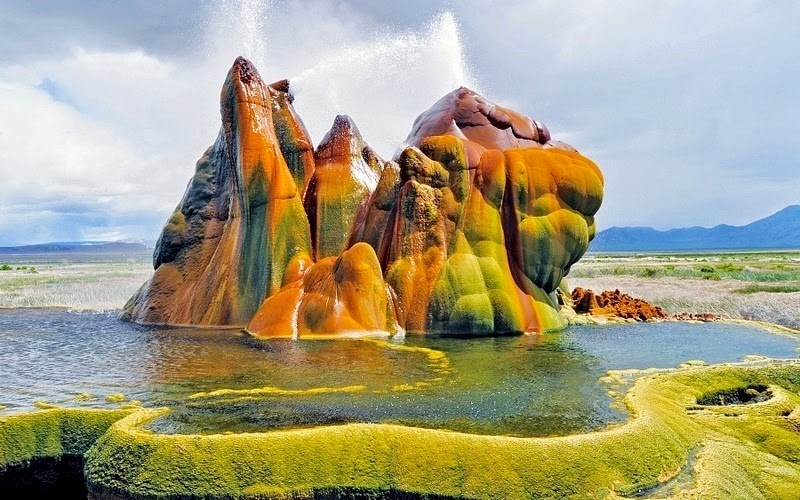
{"x":692,"y":109}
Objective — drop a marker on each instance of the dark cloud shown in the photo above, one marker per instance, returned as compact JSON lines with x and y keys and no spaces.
{"x":39,"y":28}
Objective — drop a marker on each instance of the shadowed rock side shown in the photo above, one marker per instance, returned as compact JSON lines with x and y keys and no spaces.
{"x":468,"y":232}
{"x":240,"y":225}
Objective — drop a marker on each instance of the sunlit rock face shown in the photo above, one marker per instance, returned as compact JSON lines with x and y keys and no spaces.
{"x":342,"y":295}
{"x":487,"y":217}
{"x":293,"y":138}
{"x":468,"y":231}
{"x":347,"y":171}
{"x":240,"y":225}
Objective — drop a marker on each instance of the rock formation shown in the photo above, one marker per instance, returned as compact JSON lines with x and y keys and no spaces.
{"x":240,"y":231}
{"x":469,"y":231}
{"x":337,"y":295}
{"x":615,"y":303}
{"x":347,"y":171}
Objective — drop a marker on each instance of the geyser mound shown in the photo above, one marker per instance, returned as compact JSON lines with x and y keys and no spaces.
{"x":468,"y":231}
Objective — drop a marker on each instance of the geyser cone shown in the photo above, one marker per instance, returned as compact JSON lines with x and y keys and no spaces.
{"x":347,"y":172}
{"x":485,"y":125}
{"x":486,"y":218}
{"x":470,"y":232}
{"x":239,"y":227}
{"x":337,"y":296}
{"x":293,"y":137}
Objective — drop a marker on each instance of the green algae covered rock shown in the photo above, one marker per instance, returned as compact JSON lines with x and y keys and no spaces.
{"x":474,"y":224}
{"x":52,"y":433}
{"x":738,"y":450}
{"x":756,"y":451}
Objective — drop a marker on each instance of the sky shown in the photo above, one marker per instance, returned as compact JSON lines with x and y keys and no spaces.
{"x":691,"y":109}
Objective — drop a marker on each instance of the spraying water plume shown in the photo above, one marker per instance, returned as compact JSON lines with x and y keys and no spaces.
{"x":338,"y":68}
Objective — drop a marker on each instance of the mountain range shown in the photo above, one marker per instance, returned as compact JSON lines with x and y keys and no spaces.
{"x":780,"y":230}
{"x":78,"y":247}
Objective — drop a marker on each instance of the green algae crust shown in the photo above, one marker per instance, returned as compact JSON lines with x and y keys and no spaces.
{"x":654,"y":446}
{"x":53,"y":433}
{"x":671,"y":446}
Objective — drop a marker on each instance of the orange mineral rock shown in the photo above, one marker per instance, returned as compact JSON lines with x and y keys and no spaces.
{"x":293,"y":138}
{"x":240,"y":225}
{"x":486,"y":218}
{"x":347,"y":172}
{"x":343,"y":295}
{"x":469,"y":231}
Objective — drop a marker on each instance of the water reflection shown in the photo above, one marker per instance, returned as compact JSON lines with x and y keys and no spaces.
{"x":540,"y":385}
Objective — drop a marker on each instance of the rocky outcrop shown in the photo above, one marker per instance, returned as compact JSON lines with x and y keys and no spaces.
{"x":347,"y":172}
{"x":469,"y":231}
{"x":293,"y":138}
{"x":482,"y":221}
{"x":240,"y":227}
{"x":336,"y":296}
{"x":615,"y":303}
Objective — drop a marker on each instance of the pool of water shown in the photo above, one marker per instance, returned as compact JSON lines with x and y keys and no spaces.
{"x":222,"y":380}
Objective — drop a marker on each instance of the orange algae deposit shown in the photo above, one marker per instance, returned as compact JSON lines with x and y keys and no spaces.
{"x":468,"y":231}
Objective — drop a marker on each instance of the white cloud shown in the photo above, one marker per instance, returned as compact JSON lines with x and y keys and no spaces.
{"x":674,"y":100}
{"x":688,"y":108}
{"x":101,"y":143}
{"x":109,"y":148}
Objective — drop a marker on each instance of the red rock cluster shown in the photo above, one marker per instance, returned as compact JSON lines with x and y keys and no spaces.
{"x":615,"y":303}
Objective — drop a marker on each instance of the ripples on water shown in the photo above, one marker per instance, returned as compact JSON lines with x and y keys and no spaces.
{"x":511,"y":385}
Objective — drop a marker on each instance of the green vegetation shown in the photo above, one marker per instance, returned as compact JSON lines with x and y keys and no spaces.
{"x":755,"y":454}
{"x":27,"y":269}
{"x":649,"y":272}
{"x":755,"y":267}
{"x":80,"y":285}
{"x":768,"y":288}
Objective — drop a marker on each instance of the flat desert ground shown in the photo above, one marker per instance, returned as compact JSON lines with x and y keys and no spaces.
{"x":759,"y":286}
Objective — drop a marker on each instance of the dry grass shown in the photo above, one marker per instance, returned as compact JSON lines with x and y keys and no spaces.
{"x":683,"y":283}
{"x":103,"y":285}
{"x":677,"y":283}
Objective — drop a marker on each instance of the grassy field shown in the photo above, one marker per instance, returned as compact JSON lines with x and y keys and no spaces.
{"x":81,"y":282}
{"x":760,"y":286}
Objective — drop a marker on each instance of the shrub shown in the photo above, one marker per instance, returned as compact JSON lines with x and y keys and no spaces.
{"x":728,"y":267}
{"x":649,"y":272}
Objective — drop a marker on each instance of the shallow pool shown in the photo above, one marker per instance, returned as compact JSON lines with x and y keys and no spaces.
{"x":222,"y":380}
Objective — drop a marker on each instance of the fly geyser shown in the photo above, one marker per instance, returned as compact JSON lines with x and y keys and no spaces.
{"x":468,"y":231}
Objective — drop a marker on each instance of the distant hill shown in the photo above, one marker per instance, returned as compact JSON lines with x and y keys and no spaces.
{"x":78,"y":247}
{"x":779,"y":230}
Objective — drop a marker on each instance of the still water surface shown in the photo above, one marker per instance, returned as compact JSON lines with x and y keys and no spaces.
{"x":526,"y":386}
